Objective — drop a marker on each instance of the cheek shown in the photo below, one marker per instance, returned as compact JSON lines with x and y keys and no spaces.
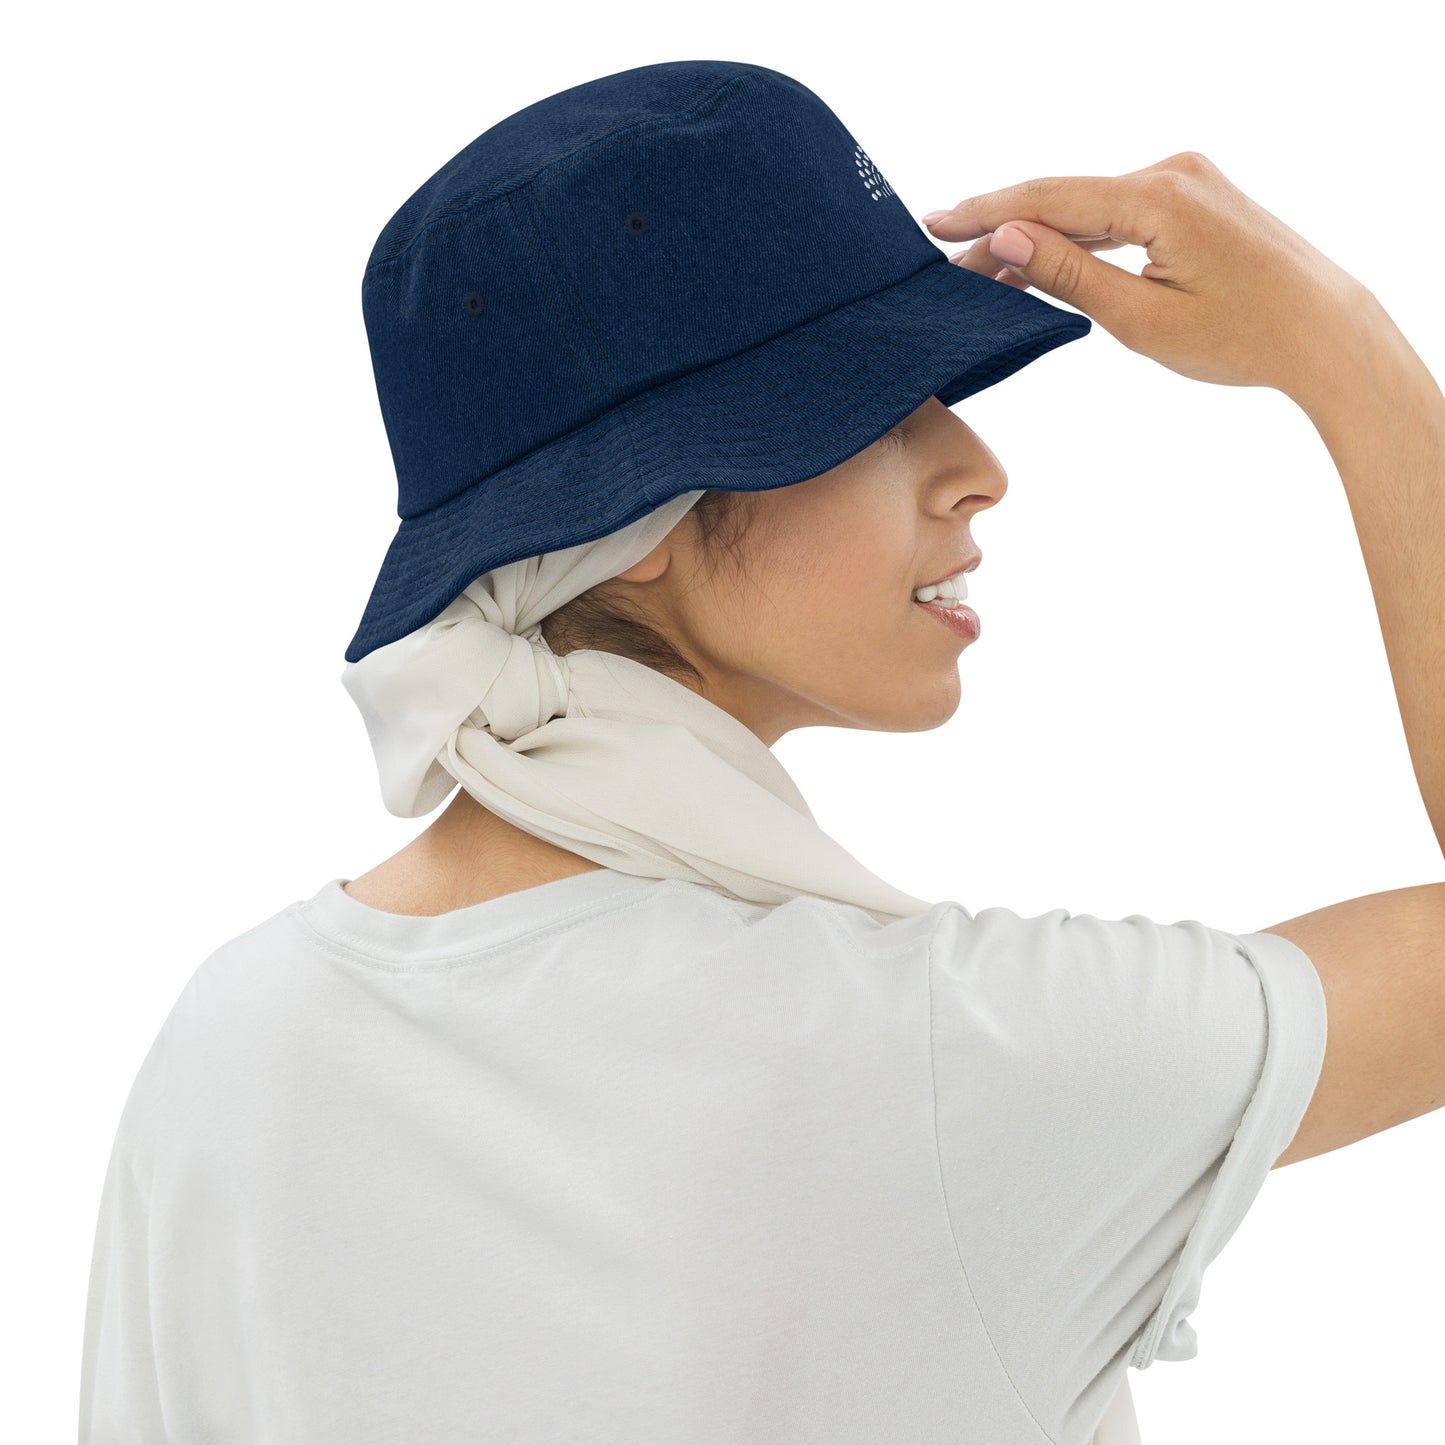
{"x":872,"y":577}
{"x":833,"y":579}
{"x":854,"y":556}
{"x":849,"y":593}
{"x":845,"y":625}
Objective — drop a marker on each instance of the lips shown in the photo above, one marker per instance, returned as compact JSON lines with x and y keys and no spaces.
{"x":967,"y":565}
{"x":961,"y":620}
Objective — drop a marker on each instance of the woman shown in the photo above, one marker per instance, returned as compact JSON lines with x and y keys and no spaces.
{"x":623,"y":1103}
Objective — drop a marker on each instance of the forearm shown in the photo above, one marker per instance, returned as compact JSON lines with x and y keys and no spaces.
{"x":1382,"y":416}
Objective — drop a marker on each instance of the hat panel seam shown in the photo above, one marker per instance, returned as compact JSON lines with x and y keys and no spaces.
{"x":596,"y":354}
{"x":538,"y":254}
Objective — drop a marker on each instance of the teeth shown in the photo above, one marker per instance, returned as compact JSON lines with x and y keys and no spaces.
{"x":950,"y":591}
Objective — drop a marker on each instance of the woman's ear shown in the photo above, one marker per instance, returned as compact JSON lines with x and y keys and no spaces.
{"x":652,"y":566}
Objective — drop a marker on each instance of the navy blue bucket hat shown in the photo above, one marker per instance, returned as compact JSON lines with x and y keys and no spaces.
{"x":686,"y":276}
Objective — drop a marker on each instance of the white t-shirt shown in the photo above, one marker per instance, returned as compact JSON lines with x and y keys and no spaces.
{"x":620,"y":1159}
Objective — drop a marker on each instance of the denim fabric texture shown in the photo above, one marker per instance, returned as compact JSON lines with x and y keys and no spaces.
{"x":682,"y":276}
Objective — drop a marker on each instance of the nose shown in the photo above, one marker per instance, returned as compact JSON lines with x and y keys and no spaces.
{"x":981,"y":486}
{"x":968,"y":475}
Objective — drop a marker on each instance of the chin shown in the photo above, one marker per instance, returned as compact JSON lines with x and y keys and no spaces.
{"x":919,"y":715}
{"x":930,"y":724}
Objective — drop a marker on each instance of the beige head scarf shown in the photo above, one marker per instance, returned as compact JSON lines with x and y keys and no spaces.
{"x":594,"y":752}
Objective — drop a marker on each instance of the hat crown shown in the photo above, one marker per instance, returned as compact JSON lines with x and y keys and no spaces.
{"x":608,"y":239}
{"x":574,"y":128}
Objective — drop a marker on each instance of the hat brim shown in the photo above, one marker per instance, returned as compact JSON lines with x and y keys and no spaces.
{"x":779,"y":413}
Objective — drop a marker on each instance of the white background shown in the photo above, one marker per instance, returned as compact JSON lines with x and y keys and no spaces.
{"x":1180,"y":704}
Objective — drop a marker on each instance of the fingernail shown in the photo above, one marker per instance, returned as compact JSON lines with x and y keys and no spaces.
{"x":1010,"y":244}
{"x":934,"y":217}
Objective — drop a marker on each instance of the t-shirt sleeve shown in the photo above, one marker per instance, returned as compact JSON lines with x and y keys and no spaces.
{"x":120,"y":1395}
{"x":1110,"y":1097}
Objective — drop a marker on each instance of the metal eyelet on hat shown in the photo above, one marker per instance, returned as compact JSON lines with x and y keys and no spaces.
{"x":473,"y":303}
{"x":636,"y":223}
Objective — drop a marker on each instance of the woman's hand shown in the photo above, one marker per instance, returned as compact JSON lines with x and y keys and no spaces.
{"x":1230,"y":294}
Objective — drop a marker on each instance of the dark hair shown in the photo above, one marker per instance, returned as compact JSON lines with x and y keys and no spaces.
{"x":611,"y":622}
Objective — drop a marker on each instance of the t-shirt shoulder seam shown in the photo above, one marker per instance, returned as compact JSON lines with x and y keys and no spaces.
{"x":859,"y":945}
{"x":948,"y":1212}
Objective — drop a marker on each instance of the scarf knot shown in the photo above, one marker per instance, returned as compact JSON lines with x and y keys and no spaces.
{"x":531,"y":684}
{"x":594,"y":752}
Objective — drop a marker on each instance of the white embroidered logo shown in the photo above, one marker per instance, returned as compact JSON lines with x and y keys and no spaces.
{"x":869,"y":174}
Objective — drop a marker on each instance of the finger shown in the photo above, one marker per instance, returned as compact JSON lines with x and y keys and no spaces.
{"x":1071,"y":205}
{"x":1095,"y":243}
{"x":978,"y":257}
{"x":1017,"y":278}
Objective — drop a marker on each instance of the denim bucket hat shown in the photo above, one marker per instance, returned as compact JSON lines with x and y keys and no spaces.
{"x":684,"y":276}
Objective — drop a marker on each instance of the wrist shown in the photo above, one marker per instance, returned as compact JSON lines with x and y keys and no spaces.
{"x":1358,"y":367}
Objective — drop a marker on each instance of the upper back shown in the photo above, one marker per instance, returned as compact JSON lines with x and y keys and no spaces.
{"x":684,"y":1167}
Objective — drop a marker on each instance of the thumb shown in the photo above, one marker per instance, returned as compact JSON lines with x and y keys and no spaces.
{"x":1055,"y":265}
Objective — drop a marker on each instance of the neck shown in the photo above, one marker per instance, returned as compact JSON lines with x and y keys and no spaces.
{"x":468,"y":839}
{"x":468,"y":855}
